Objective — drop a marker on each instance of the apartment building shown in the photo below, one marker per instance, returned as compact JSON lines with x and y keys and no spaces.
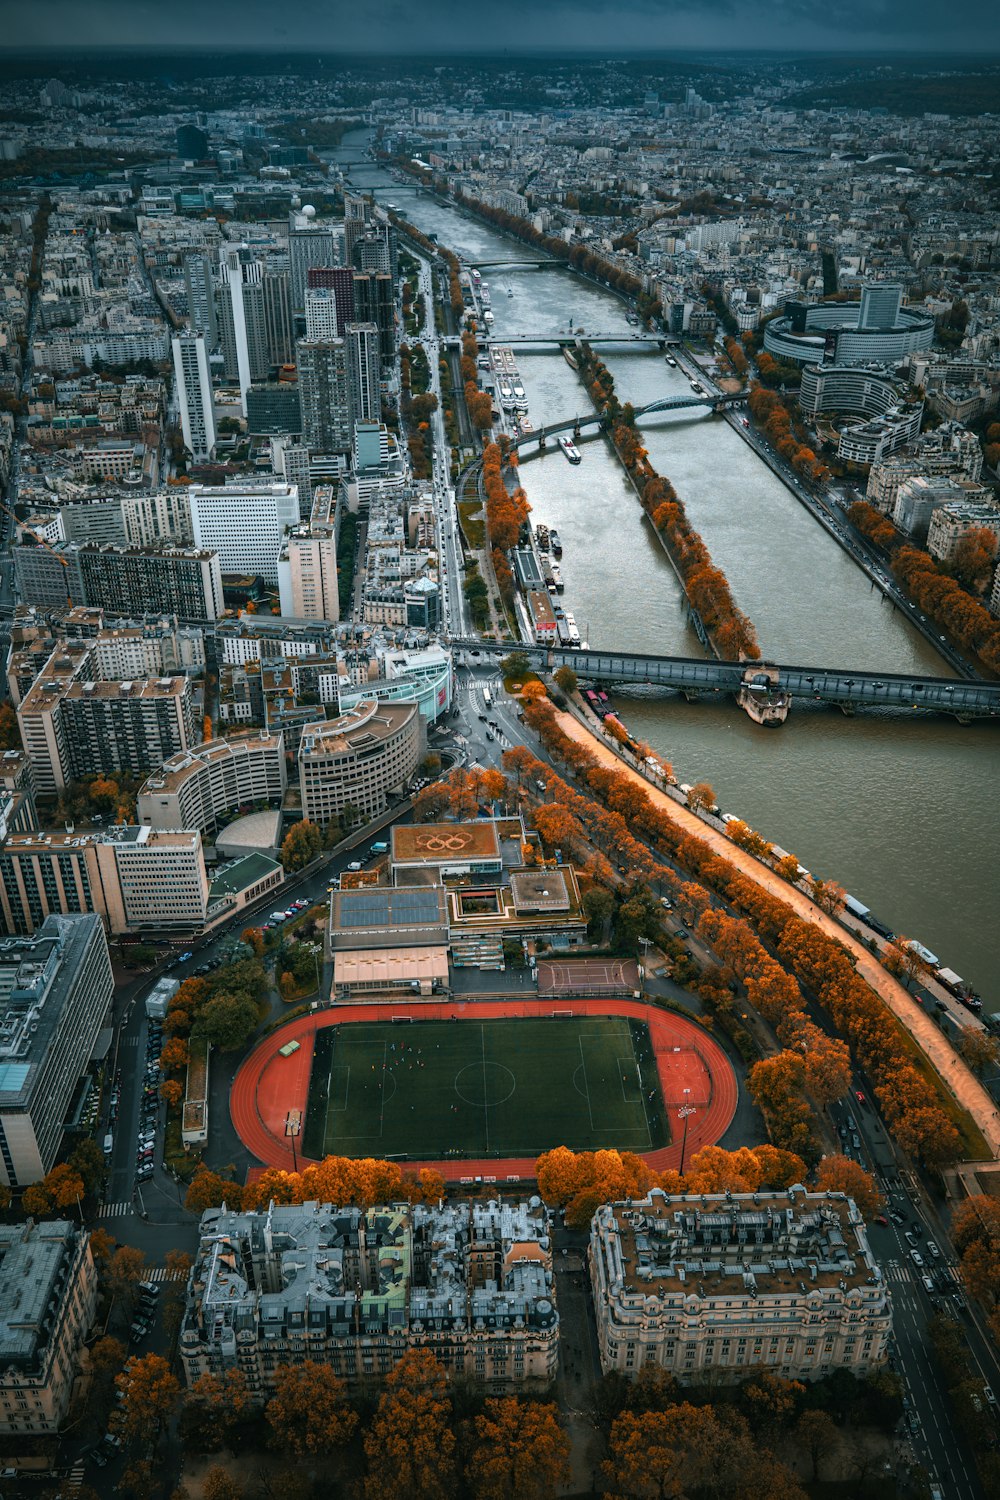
{"x":361,"y":759}
{"x":73,"y":727}
{"x":48,"y":1301}
{"x":356,"y":1288}
{"x":55,"y":990}
{"x":721,"y":1284}
{"x":128,"y":581}
{"x":203,"y":786}
{"x":137,"y":878}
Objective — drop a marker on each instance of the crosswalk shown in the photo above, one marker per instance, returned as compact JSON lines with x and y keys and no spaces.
{"x":895,"y":1271}
{"x":114,"y":1210}
{"x":161,"y":1273}
{"x":73,"y":1481}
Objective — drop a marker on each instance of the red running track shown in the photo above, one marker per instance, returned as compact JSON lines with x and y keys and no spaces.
{"x":692,"y":1066}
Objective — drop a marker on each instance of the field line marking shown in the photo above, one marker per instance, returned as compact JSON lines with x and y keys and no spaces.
{"x":486,"y":1107}
{"x":381,"y":1109}
{"x":586,"y":1081}
{"x":642,"y":1098}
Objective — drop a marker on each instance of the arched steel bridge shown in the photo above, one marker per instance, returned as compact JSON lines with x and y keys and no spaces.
{"x":667,"y":403}
{"x":839,"y":687}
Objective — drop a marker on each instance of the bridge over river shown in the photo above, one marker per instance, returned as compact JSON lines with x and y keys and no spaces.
{"x":838,"y":687}
{"x":577,"y":425}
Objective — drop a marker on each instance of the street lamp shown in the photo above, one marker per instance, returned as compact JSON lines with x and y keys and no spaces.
{"x":684,"y":1113}
{"x":293,"y":1124}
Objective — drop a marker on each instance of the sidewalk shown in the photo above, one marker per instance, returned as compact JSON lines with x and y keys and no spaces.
{"x":966,"y":1089}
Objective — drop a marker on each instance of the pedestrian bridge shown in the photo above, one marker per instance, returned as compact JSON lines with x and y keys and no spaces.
{"x":838,"y":687}
{"x":714,"y":400}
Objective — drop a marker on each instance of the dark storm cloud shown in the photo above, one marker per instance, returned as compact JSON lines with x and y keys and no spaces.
{"x":516,"y":26}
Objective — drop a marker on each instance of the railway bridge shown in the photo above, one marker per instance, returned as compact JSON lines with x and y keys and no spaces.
{"x":846,"y":688}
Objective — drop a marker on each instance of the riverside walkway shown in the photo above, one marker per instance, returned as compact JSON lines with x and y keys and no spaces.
{"x":963,"y":1085}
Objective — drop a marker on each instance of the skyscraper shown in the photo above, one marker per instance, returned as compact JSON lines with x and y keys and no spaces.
{"x":199,"y":279}
{"x":325,"y":394}
{"x":309,"y":244}
{"x":194,"y":394}
{"x":363,"y":372}
{"x":278,"y":315}
{"x":340,"y":281}
{"x":322,"y":319}
{"x":243,"y":320}
{"x":374,"y":302}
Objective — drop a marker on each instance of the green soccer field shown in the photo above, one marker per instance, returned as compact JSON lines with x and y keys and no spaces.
{"x":514,"y":1087}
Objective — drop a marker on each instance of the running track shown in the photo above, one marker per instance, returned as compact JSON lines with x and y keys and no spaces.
{"x":267,"y":1085}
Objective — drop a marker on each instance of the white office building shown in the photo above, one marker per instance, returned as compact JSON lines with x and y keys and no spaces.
{"x":244,"y":522}
{"x":321,"y":314}
{"x":194,"y":394}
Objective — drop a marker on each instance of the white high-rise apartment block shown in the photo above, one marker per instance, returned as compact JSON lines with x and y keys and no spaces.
{"x":321,"y":314}
{"x":244,"y":324}
{"x":244,"y":522}
{"x":194,"y":394}
{"x":307,"y":576}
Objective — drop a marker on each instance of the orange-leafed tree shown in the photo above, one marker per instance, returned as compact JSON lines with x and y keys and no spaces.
{"x":843,"y":1175}
{"x":210,"y":1190}
{"x":520,"y":1450}
{"x":701,"y":795}
{"x":174,"y":1055}
{"x":172,"y":1091}
{"x":309,"y":1412}
{"x":410,"y":1445}
{"x":149,"y":1393}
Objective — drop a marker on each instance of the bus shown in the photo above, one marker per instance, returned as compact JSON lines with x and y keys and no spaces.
{"x":487,"y":696}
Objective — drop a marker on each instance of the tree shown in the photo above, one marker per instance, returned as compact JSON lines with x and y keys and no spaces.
{"x":172,"y":1092}
{"x":219,"y":1484}
{"x":598,"y":906}
{"x":227,"y":1022}
{"x":309,"y":1412}
{"x":302,"y":843}
{"x":700,"y":795}
{"x":410,"y":1445}
{"x":980,"y":1050}
{"x":520,"y":1451}
{"x":816,"y":1433}
{"x":123,"y":1271}
{"x":10,"y":734}
{"x":149,"y":1393}
{"x":566,"y":679}
{"x":515,"y":664}
{"x":838,"y":1174}
{"x":210,"y":1190}
{"x":87,"y":1159}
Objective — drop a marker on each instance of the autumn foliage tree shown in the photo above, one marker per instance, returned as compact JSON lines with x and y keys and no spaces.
{"x":839,"y":1174}
{"x":309,"y":1411}
{"x":410,"y":1444}
{"x":520,"y":1450}
{"x":149,"y":1392}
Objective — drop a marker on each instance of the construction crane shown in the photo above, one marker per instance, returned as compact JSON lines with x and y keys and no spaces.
{"x":42,"y":543}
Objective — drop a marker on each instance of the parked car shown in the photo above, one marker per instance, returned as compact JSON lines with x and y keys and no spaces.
{"x":932,"y":1249}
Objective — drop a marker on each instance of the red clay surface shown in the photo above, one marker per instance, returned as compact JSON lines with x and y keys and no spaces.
{"x":693,"y":1070}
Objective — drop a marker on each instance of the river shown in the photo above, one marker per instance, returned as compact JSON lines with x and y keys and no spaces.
{"x":905,"y":814}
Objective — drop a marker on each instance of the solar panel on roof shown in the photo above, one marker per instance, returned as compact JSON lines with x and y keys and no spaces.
{"x":371,"y":908}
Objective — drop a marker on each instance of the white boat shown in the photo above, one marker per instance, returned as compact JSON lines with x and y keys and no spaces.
{"x":570,"y":449}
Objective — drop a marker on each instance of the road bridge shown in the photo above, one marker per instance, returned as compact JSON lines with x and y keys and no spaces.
{"x":714,"y":400}
{"x":838,"y":687}
{"x":548,"y":264}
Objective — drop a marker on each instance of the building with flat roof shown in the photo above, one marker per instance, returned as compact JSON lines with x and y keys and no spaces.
{"x":357,"y":1288}
{"x":439,"y":851}
{"x":721,"y":1284}
{"x":389,"y":941}
{"x":244,"y":522}
{"x":182,"y":581}
{"x":878,"y":328}
{"x":138,"y":879}
{"x":48,"y":1301}
{"x":201,"y":787}
{"x":360,"y":760}
{"x":55,"y":990}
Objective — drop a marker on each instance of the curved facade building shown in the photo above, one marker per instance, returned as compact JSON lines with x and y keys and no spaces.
{"x":359,"y":760}
{"x":892,"y":419}
{"x":199,"y":788}
{"x":878,"y":329}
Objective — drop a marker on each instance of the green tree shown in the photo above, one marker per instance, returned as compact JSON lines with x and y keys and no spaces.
{"x":567,"y":679}
{"x":515,"y":664}
{"x":598,"y":904}
{"x":302,"y":843}
{"x":227,"y":1022}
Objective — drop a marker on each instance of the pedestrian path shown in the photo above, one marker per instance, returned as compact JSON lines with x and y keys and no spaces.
{"x":114,"y":1210}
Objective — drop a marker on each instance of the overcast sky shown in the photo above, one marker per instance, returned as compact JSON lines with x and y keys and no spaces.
{"x":517,"y":26}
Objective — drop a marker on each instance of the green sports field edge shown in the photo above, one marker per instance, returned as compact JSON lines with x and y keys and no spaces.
{"x":505,"y":1088}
